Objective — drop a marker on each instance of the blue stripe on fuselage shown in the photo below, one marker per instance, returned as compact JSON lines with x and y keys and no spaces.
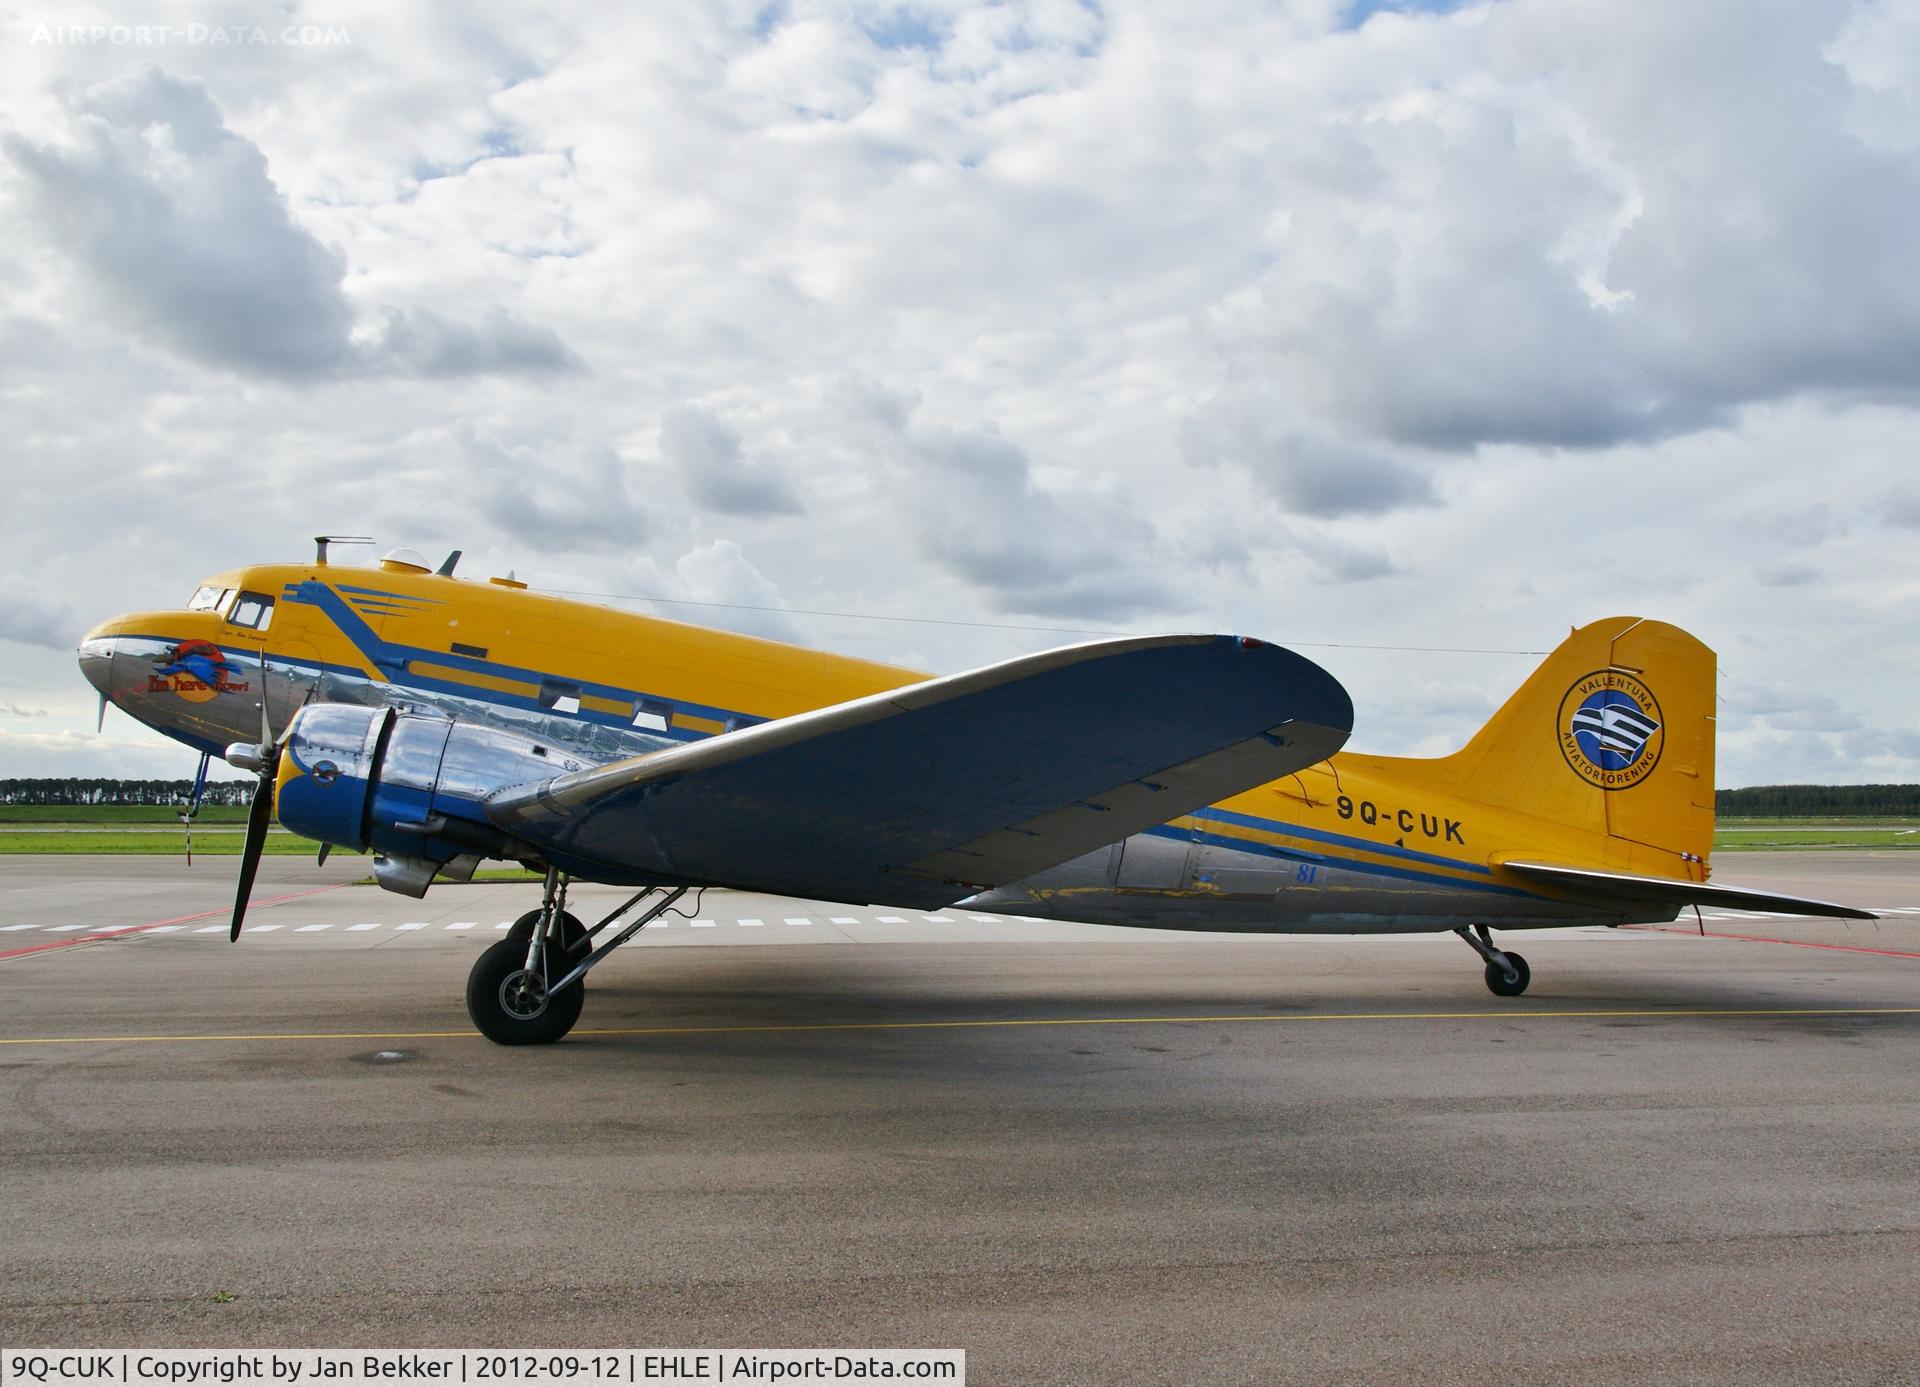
{"x":395,"y":660}
{"x":1348,"y":864}
{"x":1229,"y":816}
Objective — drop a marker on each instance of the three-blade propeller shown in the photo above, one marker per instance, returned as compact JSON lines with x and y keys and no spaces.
{"x":265,"y":759}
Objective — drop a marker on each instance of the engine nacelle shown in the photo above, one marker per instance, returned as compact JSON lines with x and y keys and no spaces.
{"x":407,"y":786}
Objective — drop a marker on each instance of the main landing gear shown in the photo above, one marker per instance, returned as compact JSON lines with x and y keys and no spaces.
{"x":528,"y":988}
{"x":1507,"y":972}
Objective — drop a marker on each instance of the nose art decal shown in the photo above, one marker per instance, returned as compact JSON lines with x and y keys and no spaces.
{"x":197,"y":671}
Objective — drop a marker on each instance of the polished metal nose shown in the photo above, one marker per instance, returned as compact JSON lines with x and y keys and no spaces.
{"x":96,"y":662}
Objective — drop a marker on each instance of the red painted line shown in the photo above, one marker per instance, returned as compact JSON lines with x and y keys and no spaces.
{"x":1764,"y":939}
{"x":96,"y":936}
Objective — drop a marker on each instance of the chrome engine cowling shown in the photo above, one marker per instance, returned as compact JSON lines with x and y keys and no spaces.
{"x":408,"y":787}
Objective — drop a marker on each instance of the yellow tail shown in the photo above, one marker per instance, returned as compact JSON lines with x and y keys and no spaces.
{"x":1609,"y":743}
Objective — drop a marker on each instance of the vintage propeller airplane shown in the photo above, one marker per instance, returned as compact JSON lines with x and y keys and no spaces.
{"x":1173,"y":782}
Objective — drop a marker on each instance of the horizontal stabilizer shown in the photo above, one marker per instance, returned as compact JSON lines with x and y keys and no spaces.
{"x":921,"y":795}
{"x":1624,"y":886}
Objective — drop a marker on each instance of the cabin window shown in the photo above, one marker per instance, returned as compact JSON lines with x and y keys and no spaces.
{"x":554,"y":692}
{"x":651,"y":715}
{"x":253,"y":610}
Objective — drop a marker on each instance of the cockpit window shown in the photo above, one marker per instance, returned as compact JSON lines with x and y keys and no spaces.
{"x":253,"y":610}
{"x":208,"y":599}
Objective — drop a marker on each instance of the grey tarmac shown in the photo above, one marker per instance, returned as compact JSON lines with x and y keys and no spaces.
{"x":1084,"y":1155}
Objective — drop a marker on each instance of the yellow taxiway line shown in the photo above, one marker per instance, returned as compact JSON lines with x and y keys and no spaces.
{"x":804,"y":1028}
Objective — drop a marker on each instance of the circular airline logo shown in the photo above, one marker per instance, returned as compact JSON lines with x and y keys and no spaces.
{"x":1610,"y":729}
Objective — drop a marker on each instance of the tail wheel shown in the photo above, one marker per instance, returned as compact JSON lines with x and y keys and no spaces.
{"x":1512,"y":980}
{"x":511,"y":1006}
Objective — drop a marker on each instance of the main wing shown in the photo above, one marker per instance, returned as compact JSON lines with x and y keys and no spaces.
{"x":922,"y":795}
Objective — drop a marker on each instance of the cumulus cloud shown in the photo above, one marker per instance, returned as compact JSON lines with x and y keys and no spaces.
{"x":30,"y":617}
{"x":720,"y":572}
{"x":1787,"y":575}
{"x":68,"y":753}
{"x":180,"y":234}
{"x":1784,"y":708}
{"x":977,"y":510}
{"x":1901,"y":509}
{"x":705,"y":452}
{"x":1539,"y":245}
{"x":555,"y":494}
{"x":422,"y":342}
{"x":1311,"y":472}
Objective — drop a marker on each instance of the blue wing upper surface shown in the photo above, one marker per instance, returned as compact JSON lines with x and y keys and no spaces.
{"x":922,"y":795}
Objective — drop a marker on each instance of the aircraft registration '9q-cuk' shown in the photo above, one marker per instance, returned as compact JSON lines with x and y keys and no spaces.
{"x":1171,"y":782}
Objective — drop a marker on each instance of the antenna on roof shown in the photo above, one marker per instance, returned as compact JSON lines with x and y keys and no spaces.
{"x":446,"y":568}
{"x":322,"y":541}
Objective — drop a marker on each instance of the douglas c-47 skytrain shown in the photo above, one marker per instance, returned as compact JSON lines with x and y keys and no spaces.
{"x":1170,"y":782}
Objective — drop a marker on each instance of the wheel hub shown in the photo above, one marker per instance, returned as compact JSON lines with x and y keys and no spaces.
{"x":523,"y":996}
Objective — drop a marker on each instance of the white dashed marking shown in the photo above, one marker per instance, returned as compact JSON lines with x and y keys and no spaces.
{"x":1718,"y":917}
{"x":9,"y":929}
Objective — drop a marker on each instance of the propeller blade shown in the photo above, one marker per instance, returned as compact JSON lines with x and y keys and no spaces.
{"x":266,"y":725}
{"x":259,"y":816}
{"x":100,"y":724}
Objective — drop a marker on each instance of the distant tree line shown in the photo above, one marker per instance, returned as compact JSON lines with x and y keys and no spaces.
{"x":85,"y":790}
{"x":1819,"y":801}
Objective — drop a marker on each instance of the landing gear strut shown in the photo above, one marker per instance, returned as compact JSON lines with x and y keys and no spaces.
{"x":528,"y":989}
{"x":1507,"y":972}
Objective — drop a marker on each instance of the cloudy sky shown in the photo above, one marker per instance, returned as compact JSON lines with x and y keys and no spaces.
{"x":1411,"y":334}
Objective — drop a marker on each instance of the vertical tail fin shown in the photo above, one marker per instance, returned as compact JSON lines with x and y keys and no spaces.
{"x":1613,"y":734}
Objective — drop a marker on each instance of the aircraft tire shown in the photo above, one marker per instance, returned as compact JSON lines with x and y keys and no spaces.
{"x":488,"y":990}
{"x":574,"y":944}
{"x":1498,"y":983}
